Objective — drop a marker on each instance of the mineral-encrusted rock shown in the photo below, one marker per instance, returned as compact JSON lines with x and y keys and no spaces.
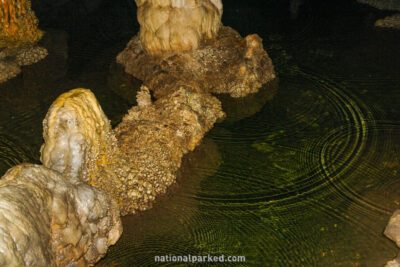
{"x":19,"y":34}
{"x":392,"y":231}
{"x":155,"y":137}
{"x":389,"y":22}
{"x":226,"y":64}
{"x":18,"y":24}
{"x":47,"y":219}
{"x":8,"y":70}
{"x":78,"y":139}
{"x":177,"y":25}
{"x":392,"y":21}
{"x":140,"y":158}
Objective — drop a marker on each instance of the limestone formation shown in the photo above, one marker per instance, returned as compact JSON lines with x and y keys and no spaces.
{"x":78,"y":139}
{"x":19,"y":34}
{"x":392,"y":231}
{"x":177,"y":25}
{"x":389,"y":22}
{"x":140,"y":158}
{"x":227,"y":64}
{"x":183,"y":42}
{"x":47,"y":219}
{"x":392,"y":21}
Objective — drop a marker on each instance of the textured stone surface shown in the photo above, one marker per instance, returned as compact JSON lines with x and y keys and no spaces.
{"x":155,"y":137}
{"x":19,"y":34}
{"x":140,"y":158}
{"x":78,"y":138}
{"x":176,"y":25}
{"x":227,"y":64}
{"x":49,"y":220}
{"x":18,"y":24}
{"x":392,"y":231}
{"x":389,"y":21}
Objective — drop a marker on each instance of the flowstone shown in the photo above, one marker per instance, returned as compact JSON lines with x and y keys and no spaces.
{"x":140,"y":158}
{"x":184,"y":43}
{"x":47,"y":219}
{"x":19,"y":34}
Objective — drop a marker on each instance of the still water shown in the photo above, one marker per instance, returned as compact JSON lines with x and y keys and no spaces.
{"x":306,"y":173}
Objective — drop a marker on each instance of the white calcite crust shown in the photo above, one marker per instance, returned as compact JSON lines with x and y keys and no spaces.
{"x":49,"y":220}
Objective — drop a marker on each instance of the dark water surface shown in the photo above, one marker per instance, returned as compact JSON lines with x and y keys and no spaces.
{"x":306,"y":175}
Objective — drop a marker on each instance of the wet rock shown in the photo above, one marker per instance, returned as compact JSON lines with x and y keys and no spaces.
{"x":19,"y":34}
{"x":171,"y":25}
{"x":78,"y":139}
{"x":155,"y":137}
{"x":392,"y":231}
{"x":389,"y":21}
{"x":47,"y":219}
{"x":227,"y":64}
{"x":393,"y":263}
{"x":139,"y":159}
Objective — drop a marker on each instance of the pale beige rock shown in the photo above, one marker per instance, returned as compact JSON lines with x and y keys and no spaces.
{"x":177,"y":25}
{"x":49,"y":220}
{"x":392,"y":231}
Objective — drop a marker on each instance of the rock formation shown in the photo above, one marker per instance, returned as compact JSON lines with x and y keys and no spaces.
{"x":19,"y":35}
{"x":47,"y":219}
{"x":392,"y":231}
{"x":392,"y":21}
{"x":182,"y":42}
{"x":140,"y":158}
{"x":177,"y":25}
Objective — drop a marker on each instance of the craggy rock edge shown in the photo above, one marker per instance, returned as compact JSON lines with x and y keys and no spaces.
{"x":48,"y":220}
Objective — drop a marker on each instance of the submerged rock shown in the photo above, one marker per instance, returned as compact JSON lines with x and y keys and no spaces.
{"x":389,"y":22}
{"x":184,"y":43}
{"x":392,"y":21}
{"x":227,"y":64}
{"x":137,"y":160}
{"x":47,"y":219}
{"x":392,"y":231}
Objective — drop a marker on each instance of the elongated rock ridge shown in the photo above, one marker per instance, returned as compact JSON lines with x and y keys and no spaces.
{"x":139,"y":159}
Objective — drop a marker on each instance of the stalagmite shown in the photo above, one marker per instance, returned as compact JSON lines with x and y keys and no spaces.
{"x":140,"y":158}
{"x":19,"y":34}
{"x":183,"y":42}
{"x":177,"y":25}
